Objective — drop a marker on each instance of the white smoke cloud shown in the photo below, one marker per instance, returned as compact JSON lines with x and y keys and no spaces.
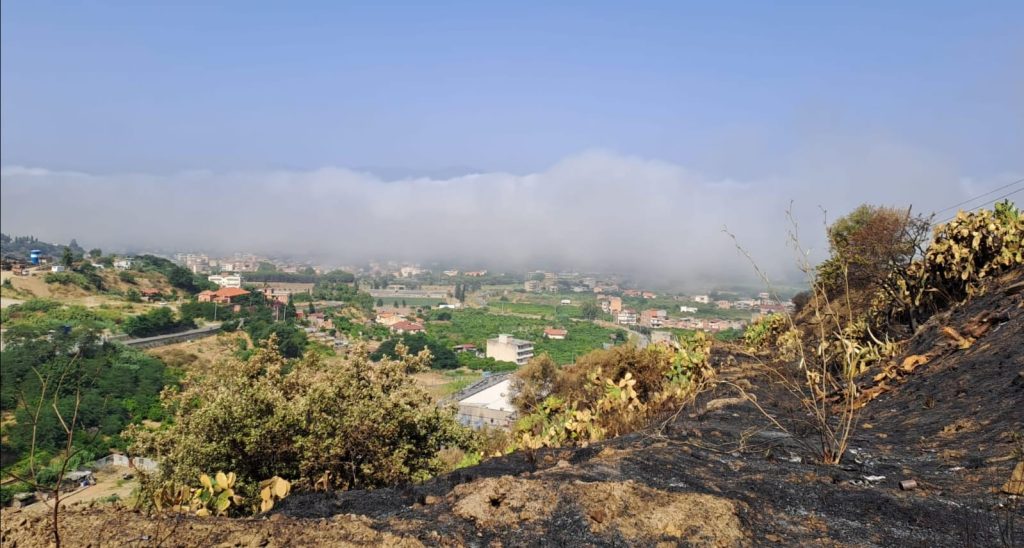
{"x":596,"y":211}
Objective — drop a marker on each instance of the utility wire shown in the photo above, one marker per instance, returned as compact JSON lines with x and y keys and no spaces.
{"x":1008,"y":194}
{"x":993,"y":191}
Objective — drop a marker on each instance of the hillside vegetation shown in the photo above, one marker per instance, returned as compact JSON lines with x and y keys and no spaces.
{"x":886,"y":411}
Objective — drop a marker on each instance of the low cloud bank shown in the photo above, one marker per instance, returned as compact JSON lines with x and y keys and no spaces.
{"x":596,"y":211}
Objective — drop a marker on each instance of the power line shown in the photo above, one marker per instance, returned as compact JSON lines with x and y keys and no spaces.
{"x":993,"y":191}
{"x":1008,"y":194}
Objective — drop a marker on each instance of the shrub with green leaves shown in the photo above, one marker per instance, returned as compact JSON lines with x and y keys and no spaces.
{"x":358,"y":422}
{"x":963,"y":254}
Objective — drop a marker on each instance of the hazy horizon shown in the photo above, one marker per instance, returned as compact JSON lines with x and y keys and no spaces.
{"x":607,"y":137}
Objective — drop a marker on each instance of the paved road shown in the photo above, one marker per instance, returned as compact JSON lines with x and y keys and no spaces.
{"x":172,"y":338}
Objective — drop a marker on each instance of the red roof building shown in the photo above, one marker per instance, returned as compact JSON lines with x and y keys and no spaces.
{"x":555,"y":334}
{"x":222,"y":295}
{"x":407,"y":327}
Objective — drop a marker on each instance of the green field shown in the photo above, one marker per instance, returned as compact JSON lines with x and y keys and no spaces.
{"x":409,"y":302}
{"x":547,"y":310}
{"x":476,"y":326}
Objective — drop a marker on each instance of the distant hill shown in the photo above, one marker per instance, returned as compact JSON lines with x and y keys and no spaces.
{"x":20,"y":246}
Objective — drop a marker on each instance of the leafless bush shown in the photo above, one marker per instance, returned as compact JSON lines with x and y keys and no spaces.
{"x":828,"y":356}
{"x":51,"y":385}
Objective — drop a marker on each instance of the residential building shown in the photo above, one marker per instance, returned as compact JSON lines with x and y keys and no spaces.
{"x":532,"y":286}
{"x":57,"y":268}
{"x":410,"y":271}
{"x":653,"y":318}
{"x":123,"y":264}
{"x":151,"y":294}
{"x":615,"y":305}
{"x":565,"y":301}
{"x":276,"y":294}
{"x":451,"y":273}
{"x":404,"y":326}
{"x":488,"y":403}
{"x":505,"y":348}
{"x":723,"y":305}
{"x":627,"y":317}
{"x":702,"y":299}
{"x":555,"y":334}
{"x":476,"y":273}
{"x":223,"y":295}
{"x":648,"y":295}
{"x":688,"y":309}
{"x":389,"y":318}
{"x":226,"y":280}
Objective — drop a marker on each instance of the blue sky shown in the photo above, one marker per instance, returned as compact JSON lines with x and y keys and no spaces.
{"x":729,"y":88}
{"x":615,"y":136}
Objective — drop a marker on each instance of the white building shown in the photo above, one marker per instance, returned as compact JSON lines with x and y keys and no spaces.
{"x":487,"y":403}
{"x":702,"y":299}
{"x":626,"y":317}
{"x":123,"y":264}
{"x":687,"y":309}
{"x":57,"y":268}
{"x":226,"y":280}
{"x":504,"y":348}
{"x":410,"y":271}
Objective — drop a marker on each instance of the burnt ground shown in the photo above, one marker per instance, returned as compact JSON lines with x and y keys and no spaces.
{"x":716,"y":474}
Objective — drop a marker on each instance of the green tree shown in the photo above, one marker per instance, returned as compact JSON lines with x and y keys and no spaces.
{"x":380,"y":302}
{"x":95,"y":253}
{"x":289,"y":309}
{"x":870,"y":242}
{"x":590,"y":310}
{"x":360,"y":423}
{"x":441,"y":357}
{"x":156,"y":322}
{"x":133,"y":296}
{"x":67,"y":259}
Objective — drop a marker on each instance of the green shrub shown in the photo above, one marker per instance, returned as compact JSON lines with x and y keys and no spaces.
{"x":357,"y":423}
{"x":963,"y":254}
{"x":68,"y":278}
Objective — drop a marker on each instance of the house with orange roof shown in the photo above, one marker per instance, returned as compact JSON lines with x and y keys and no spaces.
{"x":223,"y":295}
{"x":555,"y":334}
{"x":404,"y":327}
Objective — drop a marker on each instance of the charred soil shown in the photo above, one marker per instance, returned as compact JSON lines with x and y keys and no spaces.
{"x":928,"y":465}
